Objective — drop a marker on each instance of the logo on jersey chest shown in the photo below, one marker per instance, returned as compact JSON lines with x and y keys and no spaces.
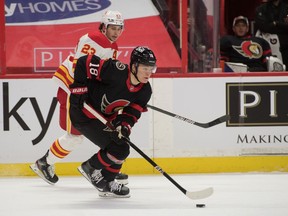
{"x":249,"y":49}
{"x":112,"y":107}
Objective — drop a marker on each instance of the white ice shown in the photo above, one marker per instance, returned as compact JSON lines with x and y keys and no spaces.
{"x":256,"y":194}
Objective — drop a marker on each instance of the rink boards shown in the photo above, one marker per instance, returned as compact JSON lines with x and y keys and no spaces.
{"x":254,"y":139}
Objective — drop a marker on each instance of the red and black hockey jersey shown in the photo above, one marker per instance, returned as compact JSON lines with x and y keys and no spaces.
{"x":251,"y":51}
{"x":107,"y":86}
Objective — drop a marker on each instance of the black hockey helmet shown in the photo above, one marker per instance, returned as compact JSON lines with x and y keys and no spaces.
{"x":143,"y":55}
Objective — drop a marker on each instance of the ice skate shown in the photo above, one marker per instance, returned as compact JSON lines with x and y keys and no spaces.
{"x":106,"y":189}
{"x":93,"y":175}
{"x":114,"y":189}
{"x":45,"y":170}
{"x":122,"y":178}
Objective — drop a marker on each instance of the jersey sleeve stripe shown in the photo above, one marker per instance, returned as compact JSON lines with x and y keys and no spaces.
{"x":131,"y":116}
{"x":99,"y":70}
{"x":62,"y":79}
{"x":63,"y":75}
{"x":137,"y":107}
{"x":88,"y":61}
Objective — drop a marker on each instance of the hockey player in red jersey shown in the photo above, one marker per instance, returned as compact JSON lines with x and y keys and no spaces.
{"x":244,"y":48}
{"x":103,"y":44}
{"x":109,"y":86}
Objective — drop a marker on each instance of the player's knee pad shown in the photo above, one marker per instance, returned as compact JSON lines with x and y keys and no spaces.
{"x":70,"y":141}
{"x":120,"y":152}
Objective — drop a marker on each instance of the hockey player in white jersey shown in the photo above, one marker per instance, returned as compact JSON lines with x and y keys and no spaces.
{"x":103,"y":44}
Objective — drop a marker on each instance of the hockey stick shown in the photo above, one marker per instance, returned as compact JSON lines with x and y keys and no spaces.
{"x":219,"y":120}
{"x":201,"y":194}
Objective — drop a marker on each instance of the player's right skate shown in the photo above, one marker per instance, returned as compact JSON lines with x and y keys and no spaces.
{"x":106,"y":189}
{"x":45,"y":170}
{"x":115,"y":189}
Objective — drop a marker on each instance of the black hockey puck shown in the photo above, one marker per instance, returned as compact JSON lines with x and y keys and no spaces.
{"x":200,"y":205}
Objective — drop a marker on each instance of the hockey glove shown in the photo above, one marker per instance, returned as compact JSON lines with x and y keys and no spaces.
{"x":121,"y":131}
{"x":79,"y":94}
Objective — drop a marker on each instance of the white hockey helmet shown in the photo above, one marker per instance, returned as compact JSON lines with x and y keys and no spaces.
{"x":112,"y":18}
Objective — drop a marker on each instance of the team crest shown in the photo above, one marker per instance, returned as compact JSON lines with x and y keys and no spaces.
{"x":120,"y":65}
{"x":112,"y":107}
{"x":249,"y":49}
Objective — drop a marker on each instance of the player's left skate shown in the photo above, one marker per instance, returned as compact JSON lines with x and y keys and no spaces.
{"x":45,"y":170}
{"x":114,"y":189}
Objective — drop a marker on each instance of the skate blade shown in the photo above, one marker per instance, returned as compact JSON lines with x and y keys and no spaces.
{"x":87,"y":177}
{"x":112,"y":195}
{"x":35,"y":169}
{"x":84,"y":174}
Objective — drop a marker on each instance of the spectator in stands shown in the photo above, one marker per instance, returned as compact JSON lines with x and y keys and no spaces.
{"x":272,"y":17}
{"x":243,"y":48}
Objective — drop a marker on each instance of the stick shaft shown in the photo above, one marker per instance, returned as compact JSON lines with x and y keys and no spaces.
{"x":158,"y":168}
{"x":171,"y":114}
{"x":203,"y":125}
{"x":219,"y":120}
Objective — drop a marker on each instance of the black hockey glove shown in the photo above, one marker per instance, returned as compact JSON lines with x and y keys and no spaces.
{"x":122,"y":130}
{"x":79,"y":94}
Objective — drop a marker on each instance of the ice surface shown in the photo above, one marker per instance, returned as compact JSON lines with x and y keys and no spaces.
{"x":255,"y":194}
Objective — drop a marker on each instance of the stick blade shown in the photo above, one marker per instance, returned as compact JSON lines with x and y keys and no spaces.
{"x":201,"y":194}
{"x":220,"y":120}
